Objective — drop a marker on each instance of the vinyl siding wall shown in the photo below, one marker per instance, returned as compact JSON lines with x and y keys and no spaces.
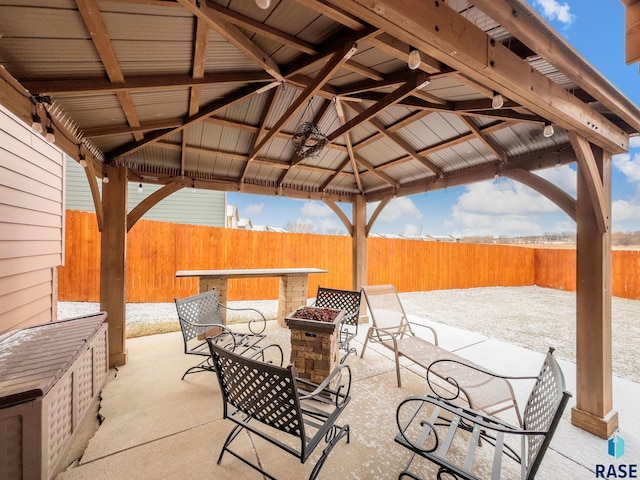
{"x":196,"y":207}
{"x":31,"y":224}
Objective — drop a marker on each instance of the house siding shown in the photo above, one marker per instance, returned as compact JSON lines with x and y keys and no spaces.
{"x":196,"y":207}
{"x":31,"y":224}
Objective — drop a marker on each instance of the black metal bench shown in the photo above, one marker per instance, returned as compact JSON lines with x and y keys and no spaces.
{"x":201,"y":315}
{"x":260,"y":397}
{"x":454,"y":437}
{"x":346,"y":300}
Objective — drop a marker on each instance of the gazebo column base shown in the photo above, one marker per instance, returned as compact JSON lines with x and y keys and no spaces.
{"x":603,"y":427}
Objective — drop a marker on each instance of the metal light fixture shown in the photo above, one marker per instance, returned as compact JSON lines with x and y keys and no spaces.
{"x":36,"y":124}
{"x":414,"y":59}
{"x":263,"y":4}
{"x":51,"y":136}
{"x":548,"y":129}
{"x":497,"y":101}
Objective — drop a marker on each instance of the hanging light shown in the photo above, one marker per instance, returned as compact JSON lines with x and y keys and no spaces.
{"x":83,"y":161}
{"x":548,"y":129}
{"x":105,"y":179}
{"x":414,"y":58}
{"x":140,"y":190}
{"x":263,"y":4}
{"x":36,"y":124}
{"x":51,"y":136}
{"x":497,"y":101}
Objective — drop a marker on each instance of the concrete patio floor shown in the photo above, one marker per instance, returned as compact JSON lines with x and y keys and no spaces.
{"x":157,"y":426}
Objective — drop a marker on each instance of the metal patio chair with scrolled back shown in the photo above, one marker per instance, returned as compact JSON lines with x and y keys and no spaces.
{"x":201,"y":315}
{"x":349,"y":301}
{"x":465,"y":443}
{"x":271,"y":402}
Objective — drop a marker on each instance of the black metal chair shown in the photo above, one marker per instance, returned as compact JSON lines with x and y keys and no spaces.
{"x":260,"y":397}
{"x":346,"y":300}
{"x":201,"y":315}
{"x":433,"y":427}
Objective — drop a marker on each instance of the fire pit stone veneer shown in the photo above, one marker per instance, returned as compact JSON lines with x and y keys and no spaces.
{"x":314,"y":341}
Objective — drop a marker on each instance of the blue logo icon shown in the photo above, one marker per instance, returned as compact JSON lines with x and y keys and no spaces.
{"x":616,"y":446}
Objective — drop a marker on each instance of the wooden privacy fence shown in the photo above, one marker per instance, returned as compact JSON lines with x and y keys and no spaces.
{"x":156,"y":250}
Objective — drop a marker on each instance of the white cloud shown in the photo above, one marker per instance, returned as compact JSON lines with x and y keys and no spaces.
{"x":253,"y":209}
{"x":634,"y":142}
{"x":503,"y":197}
{"x":565,"y":178}
{"x":554,"y":10}
{"x":505,"y":207}
{"x":628,"y":165}
{"x":624,"y":211}
{"x":316,"y":209}
{"x":399,"y":209}
{"x":411,"y":230}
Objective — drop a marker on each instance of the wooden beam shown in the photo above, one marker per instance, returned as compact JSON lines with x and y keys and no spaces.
{"x":440,"y":31}
{"x":211,"y":109}
{"x":523,"y":22}
{"x":337,"y":60}
{"x":113,"y":268}
{"x":92,"y":18}
{"x":544,"y":187}
{"x":415,"y":80}
{"x":149,"y":202}
{"x":589,"y":171}
{"x":66,"y":87}
{"x":235,"y":36}
{"x":593,"y":410}
{"x":374,"y":216}
{"x":341,"y":215}
{"x":347,"y":140}
{"x":90,"y":173}
{"x":632,"y":38}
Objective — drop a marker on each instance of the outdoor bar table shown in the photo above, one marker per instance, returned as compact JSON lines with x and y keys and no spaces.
{"x":294,"y":284}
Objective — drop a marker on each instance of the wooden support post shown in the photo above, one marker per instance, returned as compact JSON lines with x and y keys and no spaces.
{"x":359,"y":251}
{"x":113,"y":279}
{"x":593,"y":411}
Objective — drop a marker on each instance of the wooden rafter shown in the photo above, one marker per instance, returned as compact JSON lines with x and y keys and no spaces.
{"x":401,"y":142}
{"x":95,"y":25}
{"x":471,"y":51}
{"x":337,"y":60}
{"x":350,"y":152}
{"x":211,"y":109}
{"x":480,"y":135}
{"x":233,"y":35}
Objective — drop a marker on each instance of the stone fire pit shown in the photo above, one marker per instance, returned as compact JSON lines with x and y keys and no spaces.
{"x":314,"y":341}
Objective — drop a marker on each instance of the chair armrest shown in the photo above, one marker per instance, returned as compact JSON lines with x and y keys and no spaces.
{"x":338,"y":395}
{"x":416,"y":429}
{"x":454,"y":382}
{"x":259,"y":354}
{"x":252,"y":321}
{"x":431,"y":329}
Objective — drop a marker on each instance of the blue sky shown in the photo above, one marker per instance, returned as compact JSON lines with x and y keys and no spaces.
{"x":500,"y":207}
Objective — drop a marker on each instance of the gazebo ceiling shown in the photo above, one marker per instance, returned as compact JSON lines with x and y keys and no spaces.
{"x":211,"y":93}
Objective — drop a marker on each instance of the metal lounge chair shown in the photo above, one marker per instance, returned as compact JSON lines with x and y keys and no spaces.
{"x":482,"y":390}
{"x":264,"y":398}
{"x":346,"y":300}
{"x":456,"y":438}
{"x":201,"y":315}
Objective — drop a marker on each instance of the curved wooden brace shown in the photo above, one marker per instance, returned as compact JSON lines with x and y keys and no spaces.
{"x":144,"y":206}
{"x":90,"y":172}
{"x":341,"y":215}
{"x":374,"y":216}
{"x":588,"y":168}
{"x":544,"y":187}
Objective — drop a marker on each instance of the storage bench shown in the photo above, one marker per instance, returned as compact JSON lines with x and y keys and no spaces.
{"x":49,"y":376}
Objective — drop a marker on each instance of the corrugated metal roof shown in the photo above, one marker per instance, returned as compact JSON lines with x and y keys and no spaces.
{"x":423,"y":139}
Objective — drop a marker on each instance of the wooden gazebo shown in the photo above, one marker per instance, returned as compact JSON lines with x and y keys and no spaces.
{"x":344,"y":101}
